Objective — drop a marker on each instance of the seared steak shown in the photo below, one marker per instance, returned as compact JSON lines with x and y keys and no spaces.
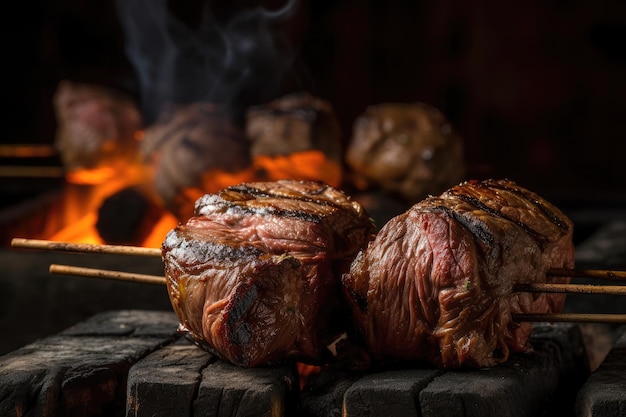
{"x":405,"y":149}
{"x":186,"y":144}
{"x":254,"y":275}
{"x":436,"y":283}
{"x":296,"y":122}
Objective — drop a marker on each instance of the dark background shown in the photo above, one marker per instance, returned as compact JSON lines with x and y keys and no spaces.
{"x":537,"y":89}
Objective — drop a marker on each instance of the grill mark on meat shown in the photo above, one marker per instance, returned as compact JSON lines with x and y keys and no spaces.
{"x":551,"y":215}
{"x":274,"y":249}
{"x":257,"y":192}
{"x":242,"y":334}
{"x":494,"y":229}
{"x":298,"y":214}
{"x":477,"y":228}
{"x":274,"y":211}
{"x":266,"y":209}
{"x":541,"y":240}
{"x":210,"y":250}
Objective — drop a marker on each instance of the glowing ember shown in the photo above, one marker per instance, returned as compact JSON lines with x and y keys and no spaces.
{"x":305,"y":371}
{"x":88,"y":189}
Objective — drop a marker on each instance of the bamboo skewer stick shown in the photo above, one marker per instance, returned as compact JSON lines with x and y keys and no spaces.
{"x":571,"y":288}
{"x":84,"y":247}
{"x":159,"y":280}
{"x":529,"y":287}
{"x":27,"y":151}
{"x":31,"y":171}
{"x":572,"y":318}
{"x":156,"y":252}
{"x":106,"y":274}
{"x":587,"y":273}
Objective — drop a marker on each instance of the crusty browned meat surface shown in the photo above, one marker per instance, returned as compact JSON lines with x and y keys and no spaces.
{"x":296,"y":122}
{"x":96,"y":126}
{"x":254,"y":275}
{"x":187,"y":143}
{"x":406,"y":149}
{"x":436,"y":283}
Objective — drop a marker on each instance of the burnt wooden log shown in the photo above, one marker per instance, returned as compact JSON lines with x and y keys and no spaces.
{"x":227,"y":390}
{"x":172,"y":372}
{"x":132,"y":363}
{"x":183,"y":380}
{"x":604,"y":392}
{"x":324,"y":393}
{"x":81,"y":371}
{"x":543,"y":382}
{"x":391,"y":393}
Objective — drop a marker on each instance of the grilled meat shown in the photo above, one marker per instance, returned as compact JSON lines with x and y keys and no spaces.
{"x":187,"y":143}
{"x":436,"y":283}
{"x":293,"y":123}
{"x":405,"y":149}
{"x":254,"y":275}
{"x":96,"y":125}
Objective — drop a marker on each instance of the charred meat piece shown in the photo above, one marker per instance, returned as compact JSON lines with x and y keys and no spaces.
{"x":185,"y":145}
{"x":96,"y":125}
{"x":254,"y":275}
{"x":405,"y":149}
{"x":294,"y":123}
{"x":436,"y":283}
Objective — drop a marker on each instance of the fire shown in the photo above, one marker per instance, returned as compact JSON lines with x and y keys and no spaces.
{"x":305,"y":371}
{"x":304,"y":165}
{"x":85,"y":192}
{"x":87,"y":189}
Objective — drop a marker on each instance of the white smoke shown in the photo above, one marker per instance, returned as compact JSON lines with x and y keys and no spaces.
{"x":232,"y":63}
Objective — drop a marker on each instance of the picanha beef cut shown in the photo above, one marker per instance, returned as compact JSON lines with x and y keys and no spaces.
{"x":255,"y":275}
{"x":436,"y":283}
{"x":409,"y":150}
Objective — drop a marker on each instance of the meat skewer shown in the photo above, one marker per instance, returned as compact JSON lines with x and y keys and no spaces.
{"x":42,"y":244}
{"x":84,"y":247}
{"x":448,"y":281}
{"x":160,"y":280}
{"x":555,"y":317}
{"x":156,"y":279}
{"x":253,"y":276}
{"x":255,"y":252}
{"x":106,"y":274}
{"x":606,"y":318}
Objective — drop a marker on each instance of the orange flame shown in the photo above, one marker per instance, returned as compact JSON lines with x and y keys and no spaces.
{"x":305,"y":371}
{"x":87,"y":189}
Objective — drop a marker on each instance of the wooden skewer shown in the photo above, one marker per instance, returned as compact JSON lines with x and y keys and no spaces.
{"x":587,"y":273}
{"x":571,"y":288}
{"x":572,"y":318}
{"x":84,"y":247}
{"x":159,"y":280}
{"x":156,"y":252}
{"x":106,"y":274}
{"x":530,"y":287}
{"x":27,"y":151}
{"x":31,"y":171}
